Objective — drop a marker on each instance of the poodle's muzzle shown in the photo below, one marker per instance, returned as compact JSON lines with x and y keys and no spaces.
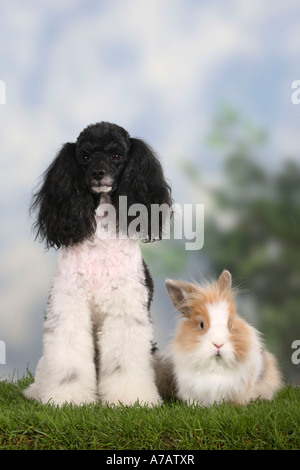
{"x":101,"y":175}
{"x":101,"y":182}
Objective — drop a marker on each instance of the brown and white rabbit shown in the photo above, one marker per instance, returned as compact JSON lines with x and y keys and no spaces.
{"x":215,"y":355}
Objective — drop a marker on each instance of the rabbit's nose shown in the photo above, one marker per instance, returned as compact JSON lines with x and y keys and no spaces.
{"x":218,"y":345}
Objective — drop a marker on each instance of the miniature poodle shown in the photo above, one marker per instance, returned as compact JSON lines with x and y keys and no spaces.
{"x":97,"y":337}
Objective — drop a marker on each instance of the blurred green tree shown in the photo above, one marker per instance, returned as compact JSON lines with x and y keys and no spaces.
{"x":261,"y":243}
{"x":252,"y":228}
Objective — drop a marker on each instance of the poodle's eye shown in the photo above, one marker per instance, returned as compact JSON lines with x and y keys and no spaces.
{"x":201,"y":324}
{"x":116,"y":157}
{"x":85,"y":157}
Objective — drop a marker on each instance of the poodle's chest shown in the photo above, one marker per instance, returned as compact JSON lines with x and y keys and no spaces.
{"x":108,"y":278}
{"x":107,"y":262}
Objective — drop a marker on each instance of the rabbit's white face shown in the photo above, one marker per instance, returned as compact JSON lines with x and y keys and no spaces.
{"x":204,"y":335}
{"x":210,"y":333}
{"x":214,"y":339}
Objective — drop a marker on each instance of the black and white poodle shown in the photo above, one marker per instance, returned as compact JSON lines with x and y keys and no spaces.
{"x":97,"y":337}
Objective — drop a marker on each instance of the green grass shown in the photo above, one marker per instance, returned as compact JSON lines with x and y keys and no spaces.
{"x":25,"y":424}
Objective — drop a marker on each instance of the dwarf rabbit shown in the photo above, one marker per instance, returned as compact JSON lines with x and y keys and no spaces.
{"x":215,"y":355}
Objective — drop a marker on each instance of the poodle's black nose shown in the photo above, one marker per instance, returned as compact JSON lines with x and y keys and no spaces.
{"x":98,"y":174}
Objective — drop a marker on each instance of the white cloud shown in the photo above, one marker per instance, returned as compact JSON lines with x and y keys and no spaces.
{"x":167,"y":64}
{"x":27,"y":277}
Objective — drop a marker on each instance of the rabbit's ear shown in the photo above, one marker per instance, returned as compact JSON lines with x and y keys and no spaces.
{"x":179,"y":293}
{"x":224,"y":281}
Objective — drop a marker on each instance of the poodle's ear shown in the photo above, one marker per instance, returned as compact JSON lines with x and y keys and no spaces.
{"x":65,"y":206}
{"x":143,"y":182}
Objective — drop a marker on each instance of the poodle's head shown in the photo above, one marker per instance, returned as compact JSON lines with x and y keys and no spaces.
{"x":101,"y":153}
{"x":104,"y":159}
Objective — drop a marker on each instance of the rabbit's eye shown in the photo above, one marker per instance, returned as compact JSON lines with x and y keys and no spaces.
{"x":201,"y":325}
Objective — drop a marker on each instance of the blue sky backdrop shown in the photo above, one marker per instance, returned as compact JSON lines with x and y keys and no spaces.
{"x":159,"y":68}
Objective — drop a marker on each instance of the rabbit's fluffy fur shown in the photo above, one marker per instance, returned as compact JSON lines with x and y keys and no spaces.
{"x":215,"y":355}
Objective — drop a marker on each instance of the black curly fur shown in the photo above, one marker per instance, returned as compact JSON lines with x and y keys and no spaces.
{"x":66,"y":202}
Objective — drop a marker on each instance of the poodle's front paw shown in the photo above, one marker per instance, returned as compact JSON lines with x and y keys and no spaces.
{"x":131,"y":399}
{"x":61,"y":396}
